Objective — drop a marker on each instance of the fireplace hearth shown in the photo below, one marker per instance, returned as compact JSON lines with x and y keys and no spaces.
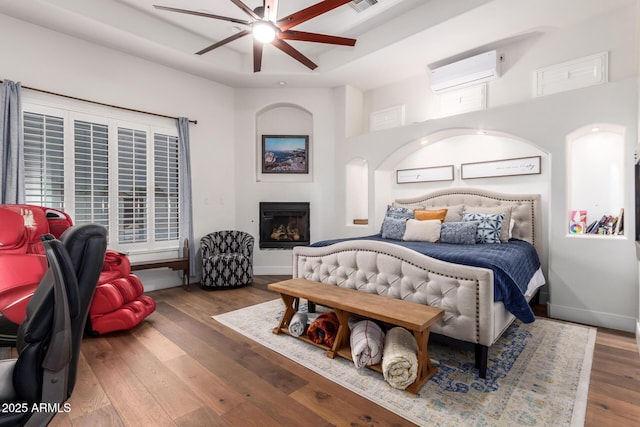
{"x":284,"y":225}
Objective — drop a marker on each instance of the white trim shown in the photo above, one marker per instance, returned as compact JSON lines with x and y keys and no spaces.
{"x":638,"y":335}
{"x":590,"y":317}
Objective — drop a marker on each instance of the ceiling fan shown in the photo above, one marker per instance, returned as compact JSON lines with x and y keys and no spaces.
{"x":267,"y":28}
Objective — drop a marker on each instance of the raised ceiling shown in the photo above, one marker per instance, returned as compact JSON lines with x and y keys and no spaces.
{"x":396,"y":39}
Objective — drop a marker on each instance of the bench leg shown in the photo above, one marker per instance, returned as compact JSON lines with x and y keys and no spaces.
{"x":425,"y":368}
{"x":287,"y":315}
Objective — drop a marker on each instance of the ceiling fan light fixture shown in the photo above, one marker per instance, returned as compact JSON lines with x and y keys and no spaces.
{"x":264,"y":31}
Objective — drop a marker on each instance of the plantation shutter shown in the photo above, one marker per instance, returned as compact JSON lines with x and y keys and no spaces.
{"x":44,"y":160}
{"x":132,"y":186}
{"x":166,"y":187}
{"x":91,"y":180}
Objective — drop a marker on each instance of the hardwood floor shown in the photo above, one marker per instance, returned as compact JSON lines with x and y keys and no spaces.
{"x":180,"y":368}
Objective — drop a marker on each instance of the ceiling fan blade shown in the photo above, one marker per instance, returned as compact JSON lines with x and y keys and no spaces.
{"x":308,"y":13}
{"x":271,"y":10}
{"x":206,"y":15}
{"x":294,"y":53}
{"x":246,"y":9}
{"x":315,"y":37}
{"x":257,"y":55}
{"x":223,"y":42}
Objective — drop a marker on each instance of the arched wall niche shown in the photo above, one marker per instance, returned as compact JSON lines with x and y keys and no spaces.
{"x":595,"y":176}
{"x":455,"y":147}
{"x":283,"y":119}
{"x":357,"y":200}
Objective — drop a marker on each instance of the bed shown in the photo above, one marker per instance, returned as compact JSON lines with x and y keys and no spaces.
{"x":467,"y":293}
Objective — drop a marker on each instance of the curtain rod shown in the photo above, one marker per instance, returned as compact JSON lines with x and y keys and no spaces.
{"x":195,"y":122}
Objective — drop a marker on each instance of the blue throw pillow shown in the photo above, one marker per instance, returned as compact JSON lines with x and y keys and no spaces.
{"x":393,"y":228}
{"x":459,"y":233}
{"x":489,"y":226}
{"x":396,"y":212}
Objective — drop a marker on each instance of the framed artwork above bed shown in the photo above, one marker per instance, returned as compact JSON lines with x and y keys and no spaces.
{"x":504,"y":167}
{"x":435,"y":173}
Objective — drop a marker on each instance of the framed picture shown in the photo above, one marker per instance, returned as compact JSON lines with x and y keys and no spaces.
{"x":437,"y":173}
{"x":285,"y":154}
{"x":497,"y":168}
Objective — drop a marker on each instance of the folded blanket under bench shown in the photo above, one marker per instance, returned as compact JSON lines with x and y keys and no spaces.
{"x":400,"y":358}
{"x":367,"y":341}
{"x":323,"y":330}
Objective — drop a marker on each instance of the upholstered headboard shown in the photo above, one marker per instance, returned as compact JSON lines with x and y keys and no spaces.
{"x":525,"y":208}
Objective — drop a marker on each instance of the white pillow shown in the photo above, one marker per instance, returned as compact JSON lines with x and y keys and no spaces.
{"x":422,"y":231}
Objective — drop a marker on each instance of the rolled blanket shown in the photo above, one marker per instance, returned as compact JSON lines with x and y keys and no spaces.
{"x":367,"y":340}
{"x":323,"y":330}
{"x":400,"y":358}
{"x":298,"y":324}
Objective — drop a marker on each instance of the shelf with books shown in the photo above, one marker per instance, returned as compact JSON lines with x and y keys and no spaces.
{"x":608,"y":224}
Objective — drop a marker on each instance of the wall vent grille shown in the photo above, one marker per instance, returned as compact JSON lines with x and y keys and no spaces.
{"x":361,"y":5}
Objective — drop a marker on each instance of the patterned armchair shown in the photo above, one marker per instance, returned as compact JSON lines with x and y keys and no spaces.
{"x":227,"y":259}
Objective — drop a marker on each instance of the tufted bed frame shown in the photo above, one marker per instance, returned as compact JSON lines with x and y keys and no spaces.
{"x":464,"y":292}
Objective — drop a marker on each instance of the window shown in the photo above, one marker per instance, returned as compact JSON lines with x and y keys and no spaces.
{"x":44,"y":160}
{"x":121,"y":171}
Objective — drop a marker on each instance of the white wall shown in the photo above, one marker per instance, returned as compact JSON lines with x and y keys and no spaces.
{"x":251,"y":187}
{"x":536,"y":49}
{"x":51,"y":61}
{"x":591,"y":281}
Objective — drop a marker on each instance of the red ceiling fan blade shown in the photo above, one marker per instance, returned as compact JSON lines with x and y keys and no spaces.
{"x":308,"y":13}
{"x":271,"y":10}
{"x":294,"y":53}
{"x":257,"y":55}
{"x":223,"y":42}
{"x":246,"y":9}
{"x":315,"y":37}
{"x":206,"y":15}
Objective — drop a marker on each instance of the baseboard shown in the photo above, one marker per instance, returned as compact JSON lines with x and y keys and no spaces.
{"x":595,"y":318}
{"x":638,"y":335}
{"x":271,"y":270}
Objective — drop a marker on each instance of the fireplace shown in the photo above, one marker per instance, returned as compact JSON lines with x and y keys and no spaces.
{"x":284,"y":225}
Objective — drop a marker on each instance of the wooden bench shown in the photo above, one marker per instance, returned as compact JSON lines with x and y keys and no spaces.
{"x":415,"y":317}
{"x":175,"y":264}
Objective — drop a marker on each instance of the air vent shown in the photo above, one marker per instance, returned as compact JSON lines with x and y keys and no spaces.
{"x":361,"y":5}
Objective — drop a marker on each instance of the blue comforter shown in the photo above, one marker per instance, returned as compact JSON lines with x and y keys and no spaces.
{"x":513,"y":264}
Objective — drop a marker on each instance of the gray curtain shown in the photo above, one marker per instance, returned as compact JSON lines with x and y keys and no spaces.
{"x":12,"y":144}
{"x":185,"y":209}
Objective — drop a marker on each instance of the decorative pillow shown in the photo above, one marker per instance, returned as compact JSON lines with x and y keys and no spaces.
{"x":422,"y":231}
{"x":505,"y":210}
{"x":393,"y":228}
{"x":489,"y":226}
{"x":459,"y":233}
{"x":428,"y":215}
{"x":454,"y":212}
{"x":399,"y":212}
{"x":411,"y":206}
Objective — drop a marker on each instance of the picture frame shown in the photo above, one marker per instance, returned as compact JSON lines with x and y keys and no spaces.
{"x":500,"y":168}
{"x":428,"y":174}
{"x":285,"y":154}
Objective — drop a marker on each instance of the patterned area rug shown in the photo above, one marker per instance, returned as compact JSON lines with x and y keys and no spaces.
{"x":538,"y":374}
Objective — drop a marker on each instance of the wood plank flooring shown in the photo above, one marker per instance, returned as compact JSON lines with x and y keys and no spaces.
{"x":180,"y":368}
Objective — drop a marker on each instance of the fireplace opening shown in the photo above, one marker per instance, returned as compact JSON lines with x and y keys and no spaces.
{"x":284,"y":225}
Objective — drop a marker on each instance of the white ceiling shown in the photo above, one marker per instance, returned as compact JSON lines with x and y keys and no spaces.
{"x":397,"y":39}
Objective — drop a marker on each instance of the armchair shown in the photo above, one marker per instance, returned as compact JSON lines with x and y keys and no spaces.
{"x":227,"y":259}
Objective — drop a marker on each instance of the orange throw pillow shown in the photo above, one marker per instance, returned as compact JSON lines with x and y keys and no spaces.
{"x":427,"y":215}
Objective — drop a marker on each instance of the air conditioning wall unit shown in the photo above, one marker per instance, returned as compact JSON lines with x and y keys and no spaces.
{"x":467,"y":72}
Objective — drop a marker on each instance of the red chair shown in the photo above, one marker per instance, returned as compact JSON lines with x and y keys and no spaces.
{"x":118,"y":303}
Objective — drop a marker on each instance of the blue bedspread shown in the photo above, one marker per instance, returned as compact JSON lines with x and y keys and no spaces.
{"x":513,"y":263}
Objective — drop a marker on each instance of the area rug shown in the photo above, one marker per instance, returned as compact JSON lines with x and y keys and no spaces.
{"x":538,"y":373}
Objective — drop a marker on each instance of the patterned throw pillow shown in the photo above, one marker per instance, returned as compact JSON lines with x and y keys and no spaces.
{"x":505,"y":209}
{"x":459,"y":233}
{"x":489,"y":226}
{"x":399,"y":212}
{"x":393,"y":228}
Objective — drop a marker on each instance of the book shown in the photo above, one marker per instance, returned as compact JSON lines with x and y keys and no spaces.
{"x":620,"y":224}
